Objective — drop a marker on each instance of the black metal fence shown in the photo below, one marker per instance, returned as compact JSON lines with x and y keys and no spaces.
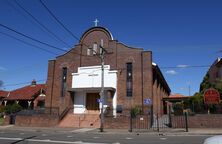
{"x":54,"y":111}
{"x":139,"y":119}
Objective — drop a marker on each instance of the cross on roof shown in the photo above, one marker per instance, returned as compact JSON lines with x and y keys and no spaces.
{"x":96,"y":22}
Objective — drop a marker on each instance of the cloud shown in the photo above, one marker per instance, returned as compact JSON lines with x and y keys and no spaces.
{"x":182,"y":66}
{"x":171,"y":72}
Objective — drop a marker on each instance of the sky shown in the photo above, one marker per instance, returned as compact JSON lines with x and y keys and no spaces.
{"x":180,"y":33}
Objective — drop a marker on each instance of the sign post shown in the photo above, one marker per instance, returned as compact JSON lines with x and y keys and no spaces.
{"x":211,"y":96}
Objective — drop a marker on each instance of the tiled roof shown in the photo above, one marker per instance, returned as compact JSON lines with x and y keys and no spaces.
{"x":3,"y":93}
{"x":172,"y":96}
{"x":29,"y":92}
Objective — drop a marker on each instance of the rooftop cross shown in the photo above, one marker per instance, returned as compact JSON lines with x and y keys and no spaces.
{"x":96,"y":22}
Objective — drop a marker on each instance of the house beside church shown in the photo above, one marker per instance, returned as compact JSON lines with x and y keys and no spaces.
{"x":29,"y":97}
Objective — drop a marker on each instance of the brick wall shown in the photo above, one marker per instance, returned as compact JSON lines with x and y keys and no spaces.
{"x":36,"y":120}
{"x":121,"y":122}
{"x":198,"y":121}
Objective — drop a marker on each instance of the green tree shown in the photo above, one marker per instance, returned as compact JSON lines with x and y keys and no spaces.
{"x":205,"y":84}
{"x":9,"y":109}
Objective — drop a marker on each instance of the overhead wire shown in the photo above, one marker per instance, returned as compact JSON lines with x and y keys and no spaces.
{"x":33,"y":39}
{"x":51,"y":52}
{"x":42,"y":25}
{"x":58,"y":21}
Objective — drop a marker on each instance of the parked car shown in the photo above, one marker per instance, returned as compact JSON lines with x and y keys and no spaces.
{"x":214,"y":140}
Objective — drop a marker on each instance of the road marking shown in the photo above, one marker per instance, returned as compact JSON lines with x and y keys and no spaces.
{"x":13,"y":139}
{"x":65,"y":142}
{"x":83,"y":130}
{"x":163,"y":138}
{"x":128,"y":138}
{"x":96,"y":137}
{"x":21,"y":133}
{"x":47,"y":141}
{"x":69,"y":136}
{"x":44,"y":134}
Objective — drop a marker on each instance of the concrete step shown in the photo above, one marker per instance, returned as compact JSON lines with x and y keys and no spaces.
{"x":80,"y":121}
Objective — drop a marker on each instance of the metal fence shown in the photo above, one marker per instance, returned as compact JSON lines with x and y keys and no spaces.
{"x":54,"y":111}
{"x":145,"y":120}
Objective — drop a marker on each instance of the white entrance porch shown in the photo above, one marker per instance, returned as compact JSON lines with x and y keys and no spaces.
{"x":86,"y":85}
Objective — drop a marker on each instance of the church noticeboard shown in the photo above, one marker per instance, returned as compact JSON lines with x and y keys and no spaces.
{"x":211,"y":96}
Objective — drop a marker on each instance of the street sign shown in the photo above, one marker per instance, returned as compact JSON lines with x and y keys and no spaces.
{"x":211,"y":96}
{"x":147,"y":101}
{"x":99,"y":100}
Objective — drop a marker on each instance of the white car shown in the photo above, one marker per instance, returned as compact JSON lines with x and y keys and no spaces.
{"x":214,"y":140}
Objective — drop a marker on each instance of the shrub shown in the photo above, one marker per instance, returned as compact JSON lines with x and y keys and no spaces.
{"x":178,"y":108}
{"x":9,"y":109}
{"x":135,"y":111}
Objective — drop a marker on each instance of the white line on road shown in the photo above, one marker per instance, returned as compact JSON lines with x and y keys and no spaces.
{"x":13,"y":139}
{"x":128,"y":138}
{"x":48,"y":141}
{"x":83,"y":130}
{"x":163,"y":138}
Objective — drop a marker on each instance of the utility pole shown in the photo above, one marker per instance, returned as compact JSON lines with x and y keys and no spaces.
{"x":102,"y":52}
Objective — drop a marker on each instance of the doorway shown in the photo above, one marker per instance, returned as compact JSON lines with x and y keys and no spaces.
{"x":92,"y":101}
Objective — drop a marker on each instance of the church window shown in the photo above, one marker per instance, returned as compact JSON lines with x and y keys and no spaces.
{"x":64,"y":78}
{"x":129,"y":79}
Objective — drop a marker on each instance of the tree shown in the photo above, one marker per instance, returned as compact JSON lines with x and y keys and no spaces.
{"x":205,"y":84}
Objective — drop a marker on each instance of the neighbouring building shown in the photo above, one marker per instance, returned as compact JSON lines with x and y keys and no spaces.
{"x":29,"y":97}
{"x":215,"y":71}
{"x":3,"y":94}
{"x":130,"y":79}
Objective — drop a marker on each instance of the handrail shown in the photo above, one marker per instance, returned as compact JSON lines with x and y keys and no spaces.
{"x":65,"y":111}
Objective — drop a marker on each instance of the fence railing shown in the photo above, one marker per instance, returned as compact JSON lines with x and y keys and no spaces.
{"x":53,"y":111}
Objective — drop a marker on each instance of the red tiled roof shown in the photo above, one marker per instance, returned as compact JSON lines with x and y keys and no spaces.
{"x":3,"y":93}
{"x":177,"y":96}
{"x":29,"y":92}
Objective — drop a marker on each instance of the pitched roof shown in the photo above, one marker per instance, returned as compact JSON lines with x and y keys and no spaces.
{"x":29,"y":92}
{"x":3,"y":93}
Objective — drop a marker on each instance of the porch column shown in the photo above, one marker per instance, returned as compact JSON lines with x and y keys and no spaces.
{"x":29,"y":104}
{"x":5,"y":102}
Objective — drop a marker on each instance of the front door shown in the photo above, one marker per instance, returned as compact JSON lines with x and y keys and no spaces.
{"x":91,"y":101}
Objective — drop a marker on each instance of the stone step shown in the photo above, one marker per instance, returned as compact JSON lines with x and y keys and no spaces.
{"x":78,"y":121}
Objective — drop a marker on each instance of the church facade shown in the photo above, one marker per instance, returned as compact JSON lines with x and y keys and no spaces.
{"x":130,"y":77}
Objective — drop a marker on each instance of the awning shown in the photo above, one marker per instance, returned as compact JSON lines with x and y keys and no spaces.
{"x":91,"y":89}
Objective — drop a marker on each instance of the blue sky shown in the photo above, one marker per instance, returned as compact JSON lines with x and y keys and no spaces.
{"x":179,"y":32}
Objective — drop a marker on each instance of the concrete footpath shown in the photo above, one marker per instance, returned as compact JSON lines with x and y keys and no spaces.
{"x":169,"y":132}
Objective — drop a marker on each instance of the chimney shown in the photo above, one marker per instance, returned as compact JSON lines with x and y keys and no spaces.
{"x":33,"y":82}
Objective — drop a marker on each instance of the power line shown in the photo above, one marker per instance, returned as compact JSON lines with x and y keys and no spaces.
{"x":51,"y":13}
{"x":22,"y":83}
{"x":33,"y":39}
{"x":28,"y":43}
{"x":42,"y":25}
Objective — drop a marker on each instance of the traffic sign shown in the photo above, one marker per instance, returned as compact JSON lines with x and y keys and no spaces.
{"x":147,"y":101}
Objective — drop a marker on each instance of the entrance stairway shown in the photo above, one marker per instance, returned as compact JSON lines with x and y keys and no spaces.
{"x":87,"y":120}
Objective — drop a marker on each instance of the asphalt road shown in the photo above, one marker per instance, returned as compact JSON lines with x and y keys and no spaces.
{"x":74,"y":137}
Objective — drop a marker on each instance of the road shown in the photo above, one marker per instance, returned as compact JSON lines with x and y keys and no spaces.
{"x":74,"y":137}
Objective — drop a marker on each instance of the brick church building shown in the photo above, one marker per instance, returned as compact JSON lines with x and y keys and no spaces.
{"x":130,"y":79}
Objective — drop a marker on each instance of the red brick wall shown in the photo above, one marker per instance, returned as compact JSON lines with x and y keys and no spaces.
{"x":36,"y":121}
{"x":121,"y":122}
{"x":198,"y":121}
